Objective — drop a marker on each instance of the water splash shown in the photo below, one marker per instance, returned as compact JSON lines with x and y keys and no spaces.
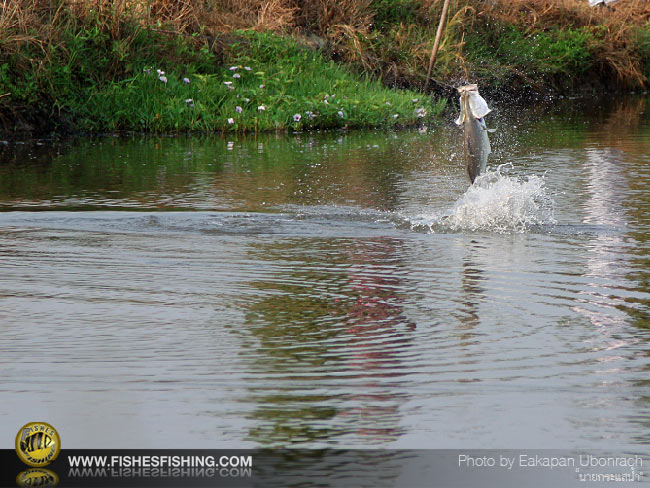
{"x":496,"y":202}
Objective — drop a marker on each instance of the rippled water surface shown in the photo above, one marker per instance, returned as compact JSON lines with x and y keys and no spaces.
{"x":332,"y":289}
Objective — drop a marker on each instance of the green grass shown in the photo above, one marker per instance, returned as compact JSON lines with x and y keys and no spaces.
{"x":259,"y":82}
{"x":642,"y":41}
{"x":394,"y":12}
{"x":267,"y":83}
{"x":555,"y":58}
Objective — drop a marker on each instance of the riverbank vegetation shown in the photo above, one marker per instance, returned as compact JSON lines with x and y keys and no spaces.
{"x":240,"y":65}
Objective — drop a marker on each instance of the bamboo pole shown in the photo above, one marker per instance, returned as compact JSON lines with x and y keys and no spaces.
{"x":436,"y":43}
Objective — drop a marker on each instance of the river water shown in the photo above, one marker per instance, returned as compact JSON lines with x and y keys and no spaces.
{"x":338,"y":289}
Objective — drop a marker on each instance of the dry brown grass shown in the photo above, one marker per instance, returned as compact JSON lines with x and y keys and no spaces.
{"x":567,"y":13}
{"x":19,"y":18}
{"x":220,"y":16}
{"x":333,"y":18}
{"x":346,"y":25}
{"x":326,"y":17}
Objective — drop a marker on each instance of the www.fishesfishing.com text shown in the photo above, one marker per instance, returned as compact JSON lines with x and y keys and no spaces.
{"x":154,"y":466}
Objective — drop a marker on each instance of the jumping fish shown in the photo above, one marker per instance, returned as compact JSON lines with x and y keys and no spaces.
{"x":477,"y":145}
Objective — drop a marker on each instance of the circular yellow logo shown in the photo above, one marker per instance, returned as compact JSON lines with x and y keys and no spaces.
{"x":37,"y":444}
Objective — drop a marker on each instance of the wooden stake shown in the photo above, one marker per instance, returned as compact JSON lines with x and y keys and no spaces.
{"x":436,"y":43}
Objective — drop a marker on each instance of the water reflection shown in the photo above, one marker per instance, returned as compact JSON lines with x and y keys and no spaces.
{"x":288,"y":302}
{"x":333,"y":333}
{"x":617,"y":162}
{"x":626,"y":168}
{"x":616,"y":260}
{"x":602,"y":207}
{"x":376,"y":467}
{"x":209,"y":173}
{"x":472,"y":290}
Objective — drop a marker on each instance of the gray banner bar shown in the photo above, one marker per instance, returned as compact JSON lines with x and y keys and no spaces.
{"x":330,"y":467}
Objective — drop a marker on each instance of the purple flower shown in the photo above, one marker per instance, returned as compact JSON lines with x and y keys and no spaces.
{"x":186,"y":80}
{"x":231,"y":120}
{"x":236,"y":75}
{"x":233,"y":68}
{"x":340,"y":113}
{"x":261,"y":108}
{"x":296,"y":118}
{"x":247,"y":68}
{"x":238,"y":109}
{"x":163,"y":78}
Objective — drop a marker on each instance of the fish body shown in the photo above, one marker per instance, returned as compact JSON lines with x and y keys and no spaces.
{"x":476,"y":144}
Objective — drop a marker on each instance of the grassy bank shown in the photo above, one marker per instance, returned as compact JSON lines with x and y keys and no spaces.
{"x":507,"y":45}
{"x":240,"y":65}
{"x":99,"y":73}
{"x":264,"y":83}
{"x":562,"y":45}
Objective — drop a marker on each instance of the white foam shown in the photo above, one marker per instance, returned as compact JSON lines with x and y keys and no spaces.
{"x":496,"y":202}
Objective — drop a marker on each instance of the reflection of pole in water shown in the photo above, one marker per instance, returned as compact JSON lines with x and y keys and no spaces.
{"x":472,"y":290}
